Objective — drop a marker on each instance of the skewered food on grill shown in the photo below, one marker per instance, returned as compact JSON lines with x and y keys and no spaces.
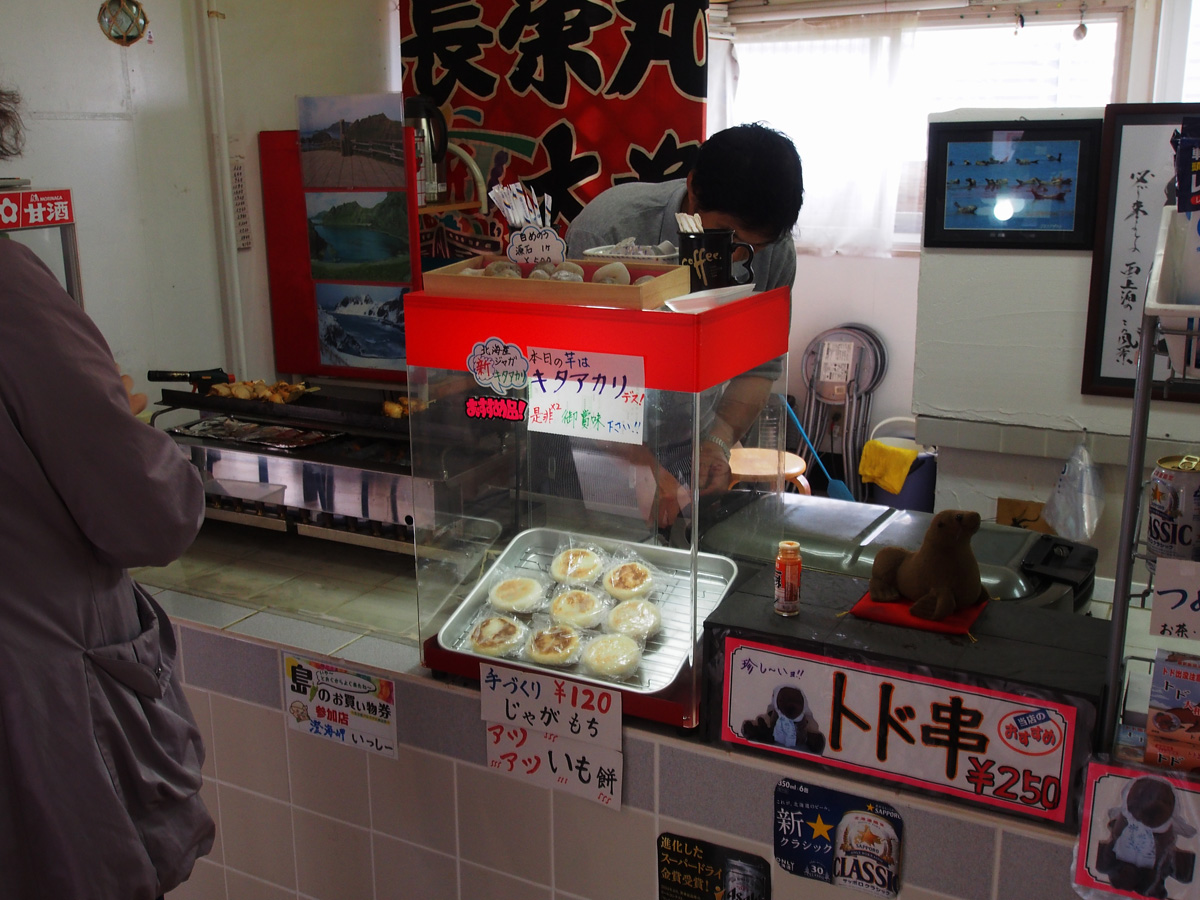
{"x":279,"y":392}
{"x":401,"y":407}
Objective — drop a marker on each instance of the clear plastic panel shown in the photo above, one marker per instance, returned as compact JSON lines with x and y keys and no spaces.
{"x":506,"y":496}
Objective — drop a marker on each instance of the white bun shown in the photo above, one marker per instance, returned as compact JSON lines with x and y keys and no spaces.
{"x":612,"y":273}
{"x":497,"y":635}
{"x":577,"y":565}
{"x":557,"y":645}
{"x":517,"y":594}
{"x":629,"y":580}
{"x":577,"y":607}
{"x":612,"y":655}
{"x":636,"y":618}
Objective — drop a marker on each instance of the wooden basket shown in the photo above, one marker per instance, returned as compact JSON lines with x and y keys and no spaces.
{"x":669,"y":281}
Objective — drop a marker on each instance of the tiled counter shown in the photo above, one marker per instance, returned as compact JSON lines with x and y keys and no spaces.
{"x":300,"y":817}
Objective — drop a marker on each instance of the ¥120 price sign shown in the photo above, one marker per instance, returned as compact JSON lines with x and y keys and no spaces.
{"x":1176,"y":606}
{"x":553,"y":732}
{"x":569,"y":709}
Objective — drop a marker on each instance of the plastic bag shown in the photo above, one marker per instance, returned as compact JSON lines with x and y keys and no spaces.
{"x":1078,"y":499}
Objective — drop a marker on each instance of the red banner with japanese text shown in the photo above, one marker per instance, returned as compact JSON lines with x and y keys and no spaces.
{"x":566,"y":96}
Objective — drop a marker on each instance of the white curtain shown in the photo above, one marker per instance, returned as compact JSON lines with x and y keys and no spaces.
{"x":722,"y":84}
{"x":833,"y":89}
{"x":855,"y":94}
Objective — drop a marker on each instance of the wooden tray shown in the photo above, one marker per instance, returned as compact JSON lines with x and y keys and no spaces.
{"x":670,"y":281}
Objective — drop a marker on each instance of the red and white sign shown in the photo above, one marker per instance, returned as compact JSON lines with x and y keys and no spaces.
{"x":35,"y":209}
{"x":1176,"y":609}
{"x":970,"y":742}
{"x":547,"y":760}
{"x":555,"y":705}
{"x":553,"y":732}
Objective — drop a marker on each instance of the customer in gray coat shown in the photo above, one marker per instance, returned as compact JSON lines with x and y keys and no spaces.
{"x":99,"y":755}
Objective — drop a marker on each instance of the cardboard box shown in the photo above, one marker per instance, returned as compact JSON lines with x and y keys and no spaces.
{"x":669,"y":281}
{"x":1025,"y":514}
{"x":1174,"y":709}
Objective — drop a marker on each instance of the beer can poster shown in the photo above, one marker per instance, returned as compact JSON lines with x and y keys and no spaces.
{"x":837,"y":838}
{"x":691,"y":869}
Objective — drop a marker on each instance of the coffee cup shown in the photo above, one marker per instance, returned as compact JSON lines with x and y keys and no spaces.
{"x":709,"y":255}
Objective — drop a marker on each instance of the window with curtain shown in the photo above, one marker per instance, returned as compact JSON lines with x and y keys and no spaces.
{"x":855,"y":93}
{"x":1191,"y":69}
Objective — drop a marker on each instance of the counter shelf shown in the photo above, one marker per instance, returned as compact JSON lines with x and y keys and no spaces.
{"x":1015,"y":564}
{"x":310,"y":410}
{"x":665,"y":653}
{"x":1040,"y":655}
{"x":355,"y":487}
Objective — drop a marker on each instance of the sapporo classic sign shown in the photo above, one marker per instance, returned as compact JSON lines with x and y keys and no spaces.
{"x":974,"y":743}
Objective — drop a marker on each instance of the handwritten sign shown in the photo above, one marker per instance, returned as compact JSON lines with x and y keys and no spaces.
{"x":548,"y":760}
{"x":1176,"y":608}
{"x":339,"y":705}
{"x":536,"y":245}
{"x":35,"y":209}
{"x":544,"y":703}
{"x":590,"y":395}
{"x":498,"y":365}
{"x":970,"y":742}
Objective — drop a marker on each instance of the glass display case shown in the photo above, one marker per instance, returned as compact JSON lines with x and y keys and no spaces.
{"x":575,"y":451}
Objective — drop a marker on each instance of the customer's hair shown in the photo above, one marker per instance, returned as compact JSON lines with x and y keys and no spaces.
{"x":12,"y":132}
{"x":751,"y":172}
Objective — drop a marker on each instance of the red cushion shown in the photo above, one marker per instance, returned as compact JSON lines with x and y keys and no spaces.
{"x":897,"y":614}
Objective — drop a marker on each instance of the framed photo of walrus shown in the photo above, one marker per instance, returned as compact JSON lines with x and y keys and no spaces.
{"x":1025,"y":184}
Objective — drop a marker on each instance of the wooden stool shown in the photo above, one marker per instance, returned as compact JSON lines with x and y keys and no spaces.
{"x":763,"y":464}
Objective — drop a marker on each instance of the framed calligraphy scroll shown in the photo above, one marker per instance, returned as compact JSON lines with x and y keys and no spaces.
{"x":1137,"y":178}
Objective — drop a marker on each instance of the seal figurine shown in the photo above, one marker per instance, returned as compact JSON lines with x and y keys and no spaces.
{"x":939,"y":578}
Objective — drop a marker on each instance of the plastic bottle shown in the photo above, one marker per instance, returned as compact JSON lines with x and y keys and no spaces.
{"x":787,"y":579}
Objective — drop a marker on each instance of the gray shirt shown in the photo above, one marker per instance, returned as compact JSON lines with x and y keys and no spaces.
{"x":646,"y":212}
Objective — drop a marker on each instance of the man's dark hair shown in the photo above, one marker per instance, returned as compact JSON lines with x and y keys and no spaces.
{"x":12,"y":133}
{"x":751,"y":172}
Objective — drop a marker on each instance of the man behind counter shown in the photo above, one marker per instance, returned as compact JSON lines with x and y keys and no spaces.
{"x":747,"y":178}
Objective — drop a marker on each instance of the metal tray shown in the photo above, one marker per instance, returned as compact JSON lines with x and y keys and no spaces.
{"x":312,"y":410}
{"x":665,"y":653}
{"x":277,"y":437}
